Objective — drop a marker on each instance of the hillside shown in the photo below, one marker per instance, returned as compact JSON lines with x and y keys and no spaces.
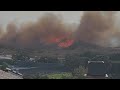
{"x":54,"y":50}
{"x":5,"y":75}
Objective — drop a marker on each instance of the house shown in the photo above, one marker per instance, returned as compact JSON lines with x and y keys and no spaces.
{"x":96,"y":70}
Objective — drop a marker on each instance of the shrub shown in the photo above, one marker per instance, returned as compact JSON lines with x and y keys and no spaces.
{"x":37,"y":76}
{"x":4,"y":66}
{"x":78,"y":73}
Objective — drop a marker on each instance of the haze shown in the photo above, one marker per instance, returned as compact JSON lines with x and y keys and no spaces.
{"x":23,"y":16}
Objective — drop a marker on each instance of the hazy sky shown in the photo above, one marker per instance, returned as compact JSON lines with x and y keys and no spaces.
{"x":22,"y":16}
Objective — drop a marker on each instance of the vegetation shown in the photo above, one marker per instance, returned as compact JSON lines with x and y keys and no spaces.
{"x":60,"y":76}
{"x":4,"y":66}
{"x":50,"y":76}
{"x":6,"y":61}
{"x":115,"y":57}
{"x":78,"y":73}
{"x":89,"y":54}
{"x":20,"y":55}
{"x":47,"y":59}
{"x":35,"y":76}
{"x":75,"y":61}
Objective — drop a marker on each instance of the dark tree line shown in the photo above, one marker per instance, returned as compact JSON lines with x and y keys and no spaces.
{"x":20,"y":55}
{"x":74,"y":61}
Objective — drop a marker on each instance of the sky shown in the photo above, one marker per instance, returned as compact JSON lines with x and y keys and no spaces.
{"x":25,"y":16}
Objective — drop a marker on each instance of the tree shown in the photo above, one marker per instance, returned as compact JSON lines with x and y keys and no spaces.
{"x":4,"y":66}
{"x":36,"y":76}
{"x":100,"y":58}
{"x":75,"y":61}
{"x":48,"y":59}
{"x":20,"y":55}
{"x":115,"y":56}
{"x":90,"y":54}
{"x":79,"y":72}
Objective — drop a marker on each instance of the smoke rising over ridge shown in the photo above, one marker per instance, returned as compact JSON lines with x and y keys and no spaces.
{"x":98,"y":28}
{"x":95,"y":27}
{"x":50,"y":29}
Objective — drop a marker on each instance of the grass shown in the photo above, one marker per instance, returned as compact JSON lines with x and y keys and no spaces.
{"x":50,"y":76}
{"x":60,"y":76}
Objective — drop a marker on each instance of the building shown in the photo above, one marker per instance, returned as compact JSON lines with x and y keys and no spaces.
{"x":96,"y":70}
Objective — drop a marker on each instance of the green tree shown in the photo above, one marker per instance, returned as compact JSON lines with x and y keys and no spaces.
{"x":75,"y":61}
{"x":100,"y":58}
{"x":4,"y":66}
{"x":78,"y":73}
{"x":89,"y":54}
{"x":115,"y":56}
{"x":20,"y":55}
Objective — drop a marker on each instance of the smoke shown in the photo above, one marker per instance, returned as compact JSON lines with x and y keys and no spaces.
{"x":96,"y":27}
{"x":50,"y":29}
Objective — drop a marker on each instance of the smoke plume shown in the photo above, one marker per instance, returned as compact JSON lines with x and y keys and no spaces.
{"x":50,"y":29}
{"x":97,"y":27}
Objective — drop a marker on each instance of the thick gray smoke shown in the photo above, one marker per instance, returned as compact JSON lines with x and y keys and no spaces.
{"x":96,"y":27}
{"x":50,"y":29}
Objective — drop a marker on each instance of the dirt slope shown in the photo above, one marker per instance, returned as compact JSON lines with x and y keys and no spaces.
{"x":5,"y":75}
